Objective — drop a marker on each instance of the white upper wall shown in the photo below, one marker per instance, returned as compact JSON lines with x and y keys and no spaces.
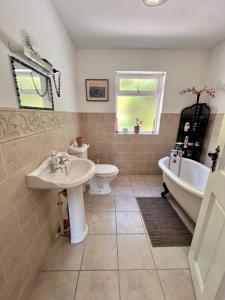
{"x":184,"y":68}
{"x":40,"y":20}
{"x":217,"y":76}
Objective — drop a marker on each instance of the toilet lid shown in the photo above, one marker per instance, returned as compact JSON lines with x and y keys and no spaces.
{"x":103,"y":169}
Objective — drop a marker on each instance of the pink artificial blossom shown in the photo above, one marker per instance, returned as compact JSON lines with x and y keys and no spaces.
{"x":208,"y":91}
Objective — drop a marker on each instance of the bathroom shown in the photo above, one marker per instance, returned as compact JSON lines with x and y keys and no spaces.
{"x":114,"y":258}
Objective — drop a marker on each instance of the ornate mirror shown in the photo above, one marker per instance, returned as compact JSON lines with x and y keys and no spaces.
{"x":33,"y":88}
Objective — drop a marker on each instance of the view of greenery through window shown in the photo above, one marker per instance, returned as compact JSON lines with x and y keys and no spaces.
{"x":28,"y":94}
{"x":130,"y":107}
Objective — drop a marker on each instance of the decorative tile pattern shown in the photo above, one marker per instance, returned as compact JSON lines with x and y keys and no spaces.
{"x":20,"y":123}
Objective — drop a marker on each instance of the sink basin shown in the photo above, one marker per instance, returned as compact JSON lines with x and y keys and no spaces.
{"x":78,"y":172}
{"x":74,"y":174}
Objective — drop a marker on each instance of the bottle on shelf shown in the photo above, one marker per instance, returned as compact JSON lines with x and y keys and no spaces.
{"x":186,"y":141}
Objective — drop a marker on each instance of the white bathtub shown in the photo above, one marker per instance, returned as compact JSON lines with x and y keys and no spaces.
{"x":188,"y":186}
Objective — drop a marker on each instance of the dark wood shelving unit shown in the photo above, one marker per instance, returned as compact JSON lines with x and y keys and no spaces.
{"x":198,"y":117}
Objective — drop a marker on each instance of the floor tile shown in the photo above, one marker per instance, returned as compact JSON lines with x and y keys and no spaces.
{"x":64,"y":256}
{"x":142,"y":191}
{"x":88,"y":202}
{"x":124,"y":191}
{"x":122,"y":180}
{"x":126,"y":203}
{"x":103,"y":203}
{"x":102,"y":223}
{"x":170,"y":258}
{"x":177,"y":284}
{"x":186,"y":250}
{"x":134,"y":252}
{"x":156,"y":190}
{"x":88,"y":216}
{"x":98,"y":285}
{"x":154,"y":180}
{"x":138,"y":180}
{"x":129,"y":222}
{"x":140,"y":285}
{"x":55,"y":286}
{"x":100,"y":253}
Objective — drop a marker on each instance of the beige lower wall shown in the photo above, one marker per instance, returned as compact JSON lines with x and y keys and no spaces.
{"x":28,"y":218}
{"x":133,"y":154}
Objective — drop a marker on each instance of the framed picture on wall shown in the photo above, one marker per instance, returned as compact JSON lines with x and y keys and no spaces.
{"x":97,"y":89}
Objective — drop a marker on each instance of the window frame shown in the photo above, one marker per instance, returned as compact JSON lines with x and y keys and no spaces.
{"x":159,"y":93}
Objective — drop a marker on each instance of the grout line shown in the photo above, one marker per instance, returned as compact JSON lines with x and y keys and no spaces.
{"x":4,"y":165}
{"x":78,"y":277}
{"x":117,"y":248}
{"x":106,"y":270}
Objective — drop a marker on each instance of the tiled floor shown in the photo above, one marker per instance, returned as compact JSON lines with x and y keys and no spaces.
{"x":117,"y":261}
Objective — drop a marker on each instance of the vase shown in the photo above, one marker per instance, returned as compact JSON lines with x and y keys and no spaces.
{"x":198,"y":97}
{"x":80,"y":141}
{"x":136,"y":129}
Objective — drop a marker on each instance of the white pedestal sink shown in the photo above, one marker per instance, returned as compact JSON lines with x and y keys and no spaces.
{"x":78,"y":172}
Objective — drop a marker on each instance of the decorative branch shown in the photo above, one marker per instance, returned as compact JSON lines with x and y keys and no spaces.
{"x":205,"y":90}
{"x":28,"y":41}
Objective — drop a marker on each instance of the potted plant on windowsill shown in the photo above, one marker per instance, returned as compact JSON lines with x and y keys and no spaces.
{"x":137,"y":126}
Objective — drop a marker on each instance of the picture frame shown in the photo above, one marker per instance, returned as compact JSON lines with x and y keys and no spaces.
{"x":97,"y":89}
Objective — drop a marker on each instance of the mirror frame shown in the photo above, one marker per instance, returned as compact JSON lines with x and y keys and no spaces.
{"x":48,"y":79}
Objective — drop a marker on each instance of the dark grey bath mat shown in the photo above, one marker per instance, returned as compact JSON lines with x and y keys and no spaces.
{"x":164,"y":226}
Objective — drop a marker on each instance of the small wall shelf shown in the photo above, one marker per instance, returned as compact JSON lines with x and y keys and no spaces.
{"x":197,"y":116}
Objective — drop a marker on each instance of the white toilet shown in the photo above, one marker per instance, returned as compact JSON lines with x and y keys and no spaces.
{"x":104,"y":173}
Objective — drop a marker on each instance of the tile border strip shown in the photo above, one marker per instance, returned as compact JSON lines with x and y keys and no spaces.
{"x":17,"y":123}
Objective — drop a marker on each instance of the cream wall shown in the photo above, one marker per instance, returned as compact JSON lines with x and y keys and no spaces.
{"x":40,"y":20}
{"x":184,"y":68}
{"x":216,"y":77}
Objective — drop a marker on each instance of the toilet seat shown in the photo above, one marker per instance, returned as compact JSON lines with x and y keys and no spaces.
{"x":104,"y":170}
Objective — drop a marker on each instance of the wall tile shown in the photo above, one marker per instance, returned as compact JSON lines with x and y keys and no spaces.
{"x":8,"y":226}
{"x":28,"y":218}
{"x":3,"y":175}
{"x":13,"y":287}
{"x":133,"y":154}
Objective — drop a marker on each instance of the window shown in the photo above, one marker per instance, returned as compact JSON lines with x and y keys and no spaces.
{"x":28,"y":94}
{"x":139,"y":95}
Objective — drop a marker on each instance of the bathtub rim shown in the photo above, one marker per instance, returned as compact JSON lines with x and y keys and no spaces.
{"x":184,"y":185}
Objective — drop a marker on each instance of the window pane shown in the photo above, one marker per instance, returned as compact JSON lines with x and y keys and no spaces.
{"x":129,"y":108}
{"x":26,"y":82}
{"x":31,"y":100}
{"x":141,"y":84}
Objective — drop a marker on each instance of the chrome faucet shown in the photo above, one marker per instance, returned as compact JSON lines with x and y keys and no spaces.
{"x":54,"y":166}
{"x":57,"y":162}
{"x":53,"y":163}
{"x":62,"y":161}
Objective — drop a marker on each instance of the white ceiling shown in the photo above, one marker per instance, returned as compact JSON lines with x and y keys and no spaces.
{"x":131,"y":24}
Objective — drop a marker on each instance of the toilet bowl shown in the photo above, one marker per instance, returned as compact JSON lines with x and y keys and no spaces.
{"x":104,"y":173}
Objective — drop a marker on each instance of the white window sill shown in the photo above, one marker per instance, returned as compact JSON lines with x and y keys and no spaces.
{"x":141,"y":133}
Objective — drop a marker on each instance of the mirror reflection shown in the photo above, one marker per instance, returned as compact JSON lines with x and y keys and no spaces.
{"x":33,"y":87}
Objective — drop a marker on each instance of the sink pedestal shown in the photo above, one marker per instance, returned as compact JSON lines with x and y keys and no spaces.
{"x":78,"y":225}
